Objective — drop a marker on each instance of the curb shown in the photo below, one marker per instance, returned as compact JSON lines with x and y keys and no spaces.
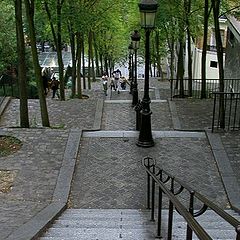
{"x":98,"y":115}
{"x":229,"y":179}
{"x":41,"y":221}
{"x":175,"y":119}
{"x":3,"y":104}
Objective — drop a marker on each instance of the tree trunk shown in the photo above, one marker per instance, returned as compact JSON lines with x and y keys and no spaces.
{"x":159,"y":68}
{"x":22,"y":76}
{"x":189,"y":50}
{"x":83,"y":62}
{"x":92,"y":59}
{"x":90,"y":68}
{"x":57,"y":37}
{"x":180,"y":69}
{"x":29,"y":5}
{"x":96,"y":56}
{"x":73,"y":50}
{"x":204,"y":50}
{"x":216,"y":9}
{"x":189,"y":63}
{"x":59,"y":51}
{"x":79,"y":83}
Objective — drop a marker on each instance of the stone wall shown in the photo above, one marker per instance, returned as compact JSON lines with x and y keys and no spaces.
{"x":232,"y":58}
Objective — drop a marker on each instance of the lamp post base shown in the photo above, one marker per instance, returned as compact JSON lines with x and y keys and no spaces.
{"x":135,"y":95}
{"x":145,"y":136}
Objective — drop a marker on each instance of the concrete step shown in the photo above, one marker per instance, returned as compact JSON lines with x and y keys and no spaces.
{"x":111,"y":224}
{"x":100,"y":233}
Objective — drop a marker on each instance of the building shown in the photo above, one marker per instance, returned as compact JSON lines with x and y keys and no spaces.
{"x":232,"y":60}
{"x":211,"y":58}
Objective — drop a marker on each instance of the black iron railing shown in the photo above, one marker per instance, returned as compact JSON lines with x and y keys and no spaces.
{"x":193,"y":88}
{"x":172,"y":187}
{"x":226,"y":115}
{"x":9,"y":87}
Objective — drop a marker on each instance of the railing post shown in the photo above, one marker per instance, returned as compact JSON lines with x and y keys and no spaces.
{"x":159,"y":225}
{"x":238,"y":232}
{"x":214,"y":109}
{"x":153,"y":197}
{"x":189,"y":230}
{"x":170,"y":213}
{"x":235,"y":111}
{"x":148,"y":186}
{"x":230,"y":109}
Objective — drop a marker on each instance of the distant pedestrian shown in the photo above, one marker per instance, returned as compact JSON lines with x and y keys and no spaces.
{"x":123,"y":83}
{"x":105,"y":82}
{"x":116,"y":75}
{"x":45,"y":84}
{"x":54,"y":87}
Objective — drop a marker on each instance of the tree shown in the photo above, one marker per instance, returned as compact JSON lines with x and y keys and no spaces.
{"x":55,"y":20}
{"x":7,"y":36}
{"x":207,"y":12}
{"x":30,"y":8}
{"x":216,"y":14}
{"x":22,"y":76}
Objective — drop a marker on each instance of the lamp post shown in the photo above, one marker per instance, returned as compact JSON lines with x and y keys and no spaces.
{"x":135,"y":42}
{"x":148,"y":9}
{"x":130,"y":67}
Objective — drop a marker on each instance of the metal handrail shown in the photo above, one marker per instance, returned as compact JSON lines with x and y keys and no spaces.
{"x":187,"y":214}
{"x":229,"y":112}
{"x":193,"y":87}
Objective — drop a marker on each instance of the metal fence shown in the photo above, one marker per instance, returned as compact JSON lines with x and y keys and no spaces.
{"x":9,"y":87}
{"x":212,"y":85}
{"x":228,"y":116}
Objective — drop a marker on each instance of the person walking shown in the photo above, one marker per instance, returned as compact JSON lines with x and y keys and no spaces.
{"x":54,"y":86}
{"x":105,"y":82}
{"x":116,"y":75}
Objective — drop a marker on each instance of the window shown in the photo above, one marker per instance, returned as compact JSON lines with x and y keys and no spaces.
{"x":213,"y":64}
{"x":231,"y":38}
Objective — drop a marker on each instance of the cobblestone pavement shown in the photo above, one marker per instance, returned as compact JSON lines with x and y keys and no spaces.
{"x":194,"y":114}
{"x":62,"y":114}
{"x":231,"y":142}
{"x":37,"y":166}
{"x":38,"y":162}
{"x":121,"y":116}
{"x":109,"y":173}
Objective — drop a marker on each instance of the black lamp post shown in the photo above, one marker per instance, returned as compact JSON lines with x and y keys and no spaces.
{"x":130,"y":66}
{"x":135,"y":42}
{"x":148,"y":9}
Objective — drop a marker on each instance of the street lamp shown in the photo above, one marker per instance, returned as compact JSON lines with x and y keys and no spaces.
{"x":135,"y":42}
{"x":148,"y":9}
{"x":130,"y":67}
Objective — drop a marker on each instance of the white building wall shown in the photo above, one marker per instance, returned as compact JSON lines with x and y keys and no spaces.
{"x":211,"y":64}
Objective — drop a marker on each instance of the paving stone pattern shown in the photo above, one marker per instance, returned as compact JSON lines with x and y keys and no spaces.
{"x":109,"y":173}
{"x":231,"y":142}
{"x":38,"y":162}
{"x":119,"y":116}
{"x":194,"y":114}
{"x":62,"y":114}
{"x":37,"y":165}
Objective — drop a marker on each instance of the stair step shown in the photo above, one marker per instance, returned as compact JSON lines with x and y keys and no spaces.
{"x":100,"y":233}
{"x":113,"y":224}
{"x":102,"y":223}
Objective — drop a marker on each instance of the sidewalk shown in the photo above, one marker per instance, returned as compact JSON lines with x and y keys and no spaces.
{"x":107,"y":162}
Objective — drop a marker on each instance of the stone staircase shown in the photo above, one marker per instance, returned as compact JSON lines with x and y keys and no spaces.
{"x":128,"y":224}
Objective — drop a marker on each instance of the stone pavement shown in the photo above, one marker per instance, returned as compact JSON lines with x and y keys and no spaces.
{"x":105,"y":159}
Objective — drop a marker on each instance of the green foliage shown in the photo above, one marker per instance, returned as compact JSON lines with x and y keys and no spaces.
{"x":7,"y":36}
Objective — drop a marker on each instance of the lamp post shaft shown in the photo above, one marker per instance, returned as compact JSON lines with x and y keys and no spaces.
{"x":135,"y":88}
{"x":145,"y":136}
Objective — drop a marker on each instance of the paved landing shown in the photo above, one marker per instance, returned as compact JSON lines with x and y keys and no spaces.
{"x":109,"y":174}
